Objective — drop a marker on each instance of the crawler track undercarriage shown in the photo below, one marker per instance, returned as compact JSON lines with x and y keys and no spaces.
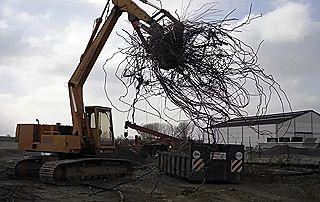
{"x":52,"y":169}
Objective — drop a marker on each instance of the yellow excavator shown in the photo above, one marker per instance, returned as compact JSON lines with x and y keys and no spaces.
{"x":85,"y":149}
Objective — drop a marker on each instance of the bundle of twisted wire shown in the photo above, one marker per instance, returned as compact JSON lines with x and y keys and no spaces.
{"x":212,"y":79}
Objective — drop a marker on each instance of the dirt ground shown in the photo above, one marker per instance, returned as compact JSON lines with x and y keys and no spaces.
{"x":155,"y":186}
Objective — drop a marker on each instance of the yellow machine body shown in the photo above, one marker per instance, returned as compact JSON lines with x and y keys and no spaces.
{"x":46,"y":138}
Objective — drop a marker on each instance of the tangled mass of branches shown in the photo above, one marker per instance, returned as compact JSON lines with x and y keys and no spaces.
{"x":200,"y":67}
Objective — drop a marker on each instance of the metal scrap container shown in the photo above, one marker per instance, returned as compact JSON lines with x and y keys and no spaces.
{"x":201,"y":161}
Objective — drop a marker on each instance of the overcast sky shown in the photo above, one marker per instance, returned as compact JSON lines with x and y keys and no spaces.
{"x":41,"y":42}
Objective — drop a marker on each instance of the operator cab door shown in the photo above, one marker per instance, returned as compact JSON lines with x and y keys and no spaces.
{"x":105,"y":129}
{"x":101,"y":125}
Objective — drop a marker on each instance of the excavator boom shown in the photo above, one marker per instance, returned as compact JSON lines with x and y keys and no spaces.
{"x":88,"y":59}
{"x":94,"y":48}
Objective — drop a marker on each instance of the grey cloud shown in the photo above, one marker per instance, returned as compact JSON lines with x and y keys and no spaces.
{"x":295,"y":66}
{"x":59,"y":10}
{"x":9,"y":80}
{"x":59,"y":13}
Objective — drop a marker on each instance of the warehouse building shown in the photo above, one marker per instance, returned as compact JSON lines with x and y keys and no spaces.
{"x":299,"y":129}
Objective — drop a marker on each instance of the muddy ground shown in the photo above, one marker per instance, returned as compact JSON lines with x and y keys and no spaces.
{"x":258,"y":185}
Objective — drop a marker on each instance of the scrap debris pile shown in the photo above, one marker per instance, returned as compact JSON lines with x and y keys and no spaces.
{"x":200,"y":67}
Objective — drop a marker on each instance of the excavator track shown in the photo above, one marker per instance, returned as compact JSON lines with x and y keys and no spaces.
{"x":78,"y":169}
{"x":27,"y":168}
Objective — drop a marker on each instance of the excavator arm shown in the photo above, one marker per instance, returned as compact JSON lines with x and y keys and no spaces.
{"x":94,"y":47}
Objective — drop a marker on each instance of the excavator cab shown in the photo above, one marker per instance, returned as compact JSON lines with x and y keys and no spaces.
{"x":100,"y":128}
{"x":58,"y":138}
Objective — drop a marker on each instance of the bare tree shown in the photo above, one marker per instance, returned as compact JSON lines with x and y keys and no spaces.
{"x":184,"y":130}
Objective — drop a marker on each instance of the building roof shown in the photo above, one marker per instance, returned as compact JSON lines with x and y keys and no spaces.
{"x":262,"y":120}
